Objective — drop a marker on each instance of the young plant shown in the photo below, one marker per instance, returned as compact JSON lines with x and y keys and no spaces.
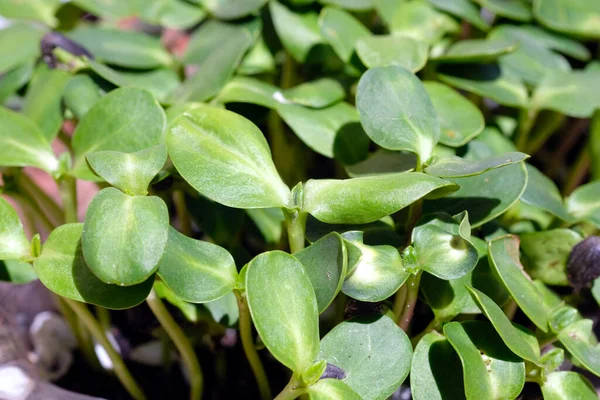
{"x":367,"y":192}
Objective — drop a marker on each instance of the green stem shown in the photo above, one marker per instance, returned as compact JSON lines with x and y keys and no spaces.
{"x":544,"y":130}
{"x":249,"y":348}
{"x":97,"y":332}
{"x":50,"y":209}
{"x":527,"y":117}
{"x":103,"y":316}
{"x":292,"y":390}
{"x":68,"y":194}
{"x":577,"y":173}
{"x":399,"y":302}
{"x":181,"y":342}
{"x":510,"y":309}
{"x":412,"y":294}
{"x":296,"y":228}
{"x":183,"y":216}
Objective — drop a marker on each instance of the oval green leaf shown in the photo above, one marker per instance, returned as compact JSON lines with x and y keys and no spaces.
{"x":124,"y":120}
{"x":13,"y":242}
{"x":403,"y":51}
{"x":298,"y":32}
{"x":567,"y":385}
{"x":226,"y":158}
{"x":124,"y":236}
{"x":453,"y":167}
{"x":326,"y":263}
{"x":196,"y":271}
{"x":341,"y":30}
{"x":541,"y":192}
{"x":579,"y":340}
{"x":367,"y":199}
{"x":62,"y":269}
{"x":374,"y":353}
{"x":284,"y":308}
{"x":317,"y":94}
{"x":476,"y":50}
{"x":232,"y":9}
{"x":573,"y":17}
{"x":19,"y":43}
{"x":331,"y":389}
{"x":517,"y":10}
{"x":396,"y":111}
{"x":583,"y":203}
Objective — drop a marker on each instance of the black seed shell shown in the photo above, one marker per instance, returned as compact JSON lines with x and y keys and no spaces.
{"x":583,"y":265}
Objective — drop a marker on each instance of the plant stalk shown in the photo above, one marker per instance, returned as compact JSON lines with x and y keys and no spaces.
{"x":181,"y":342}
{"x":399,"y":301}
{"x":527,"y":119}
{"x":578,"y":172}
{"x":412,"y":294}
{"x":249,"y":349}
{"x":183,"y":216}
{"x":292,"y":390}
{"x":97,"y":332}
{"x":296,"y":229}
{"x":433,"y":325}
{"x":68,"y":194}
{"x":50,"y":210}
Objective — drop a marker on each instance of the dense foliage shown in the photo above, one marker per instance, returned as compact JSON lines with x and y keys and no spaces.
{"x":377,"y":192}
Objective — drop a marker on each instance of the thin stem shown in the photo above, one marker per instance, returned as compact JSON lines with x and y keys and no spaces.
{"x":578,"y":171}
{"x":103,"y":316}
{"x":292,"y":390}
{"x":183,"y":216}
{"x":399,"y":302}
{"x":181,"y":342}
{"x":68,"y":194}
{"x":29,"y":188}
{"x":97,"y":332}
{"x":249,"y":348}
{"x":414,"y":211}
{"x":527,"y":119}
{"x":412,"y":287}
{"x":296,"y":226}
{"x":544,"y":130}
{"x":510,"y":309}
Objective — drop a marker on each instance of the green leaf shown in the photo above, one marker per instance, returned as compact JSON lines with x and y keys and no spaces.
{"x":436,"y":371}
{"x":13,"y":242}
{"x":284,"y":308}
{"x":221,"y":224}
{"x":190,"y":311}
{"x":576,"y":17}
{"x":160,"y":82}
{"x":109,"y":9}
{"x":385,"y":50}
{"x":80,"y":94}
{"x":19,"y":43}
{"x":326,"y":263}
{"x":579,"y":340}
{"x":124,"y":120}
{"x":517,"y":10}
{"x":453,"y":167}
{"x":566,"y":385}
{"x":129,"y":172}
{"x":490,"y":370}
{"x":224,"y":310}
{"x":317,"y":94}
{"x":530,"y":62}
{"x":62,"y":269}
{"x":367,"y":199}
{"x":17,"y":272}
{"x":217,"y":49}
{"x":443,"y":248}
{"x":232,"y":9}
{"x":334,"y":131}
{"x":249,"y":90}
{"x":298,"y":32}
{"x":596,"y":290}
{"x":128,"y":49}
{"x":573,"y":93}
{"x":196,"y":271}
{"x":354,"y":5}
{"x":476,"y":50}
{"x":226,"y":158}
{"x":521,"y":343}
{"x":584,"y":203}
{"x":124,"y":237}
{"x":15,"y":79}
{"x":341,"y":30}
{"x":396,"y":111}
{"x":541,"y":192}
{"x":460,"y":120}
{"x":258,"y":60}
{"x":546,"y":253}
{"x":417,"y":19}
{"x":331,"y":389}
{"x":374,"y":353}
{"x":22,"y":143}
{"x":383,"y":161}
{"x":378,"y":274}
{"x":463,"y":9}
{"x":504,"y":257}
{"x":43,"y":99}
{"x":36,"y":10}
{"x":487,"y":80}
{"x":175,"y":14}
{"x":484,"y":196}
